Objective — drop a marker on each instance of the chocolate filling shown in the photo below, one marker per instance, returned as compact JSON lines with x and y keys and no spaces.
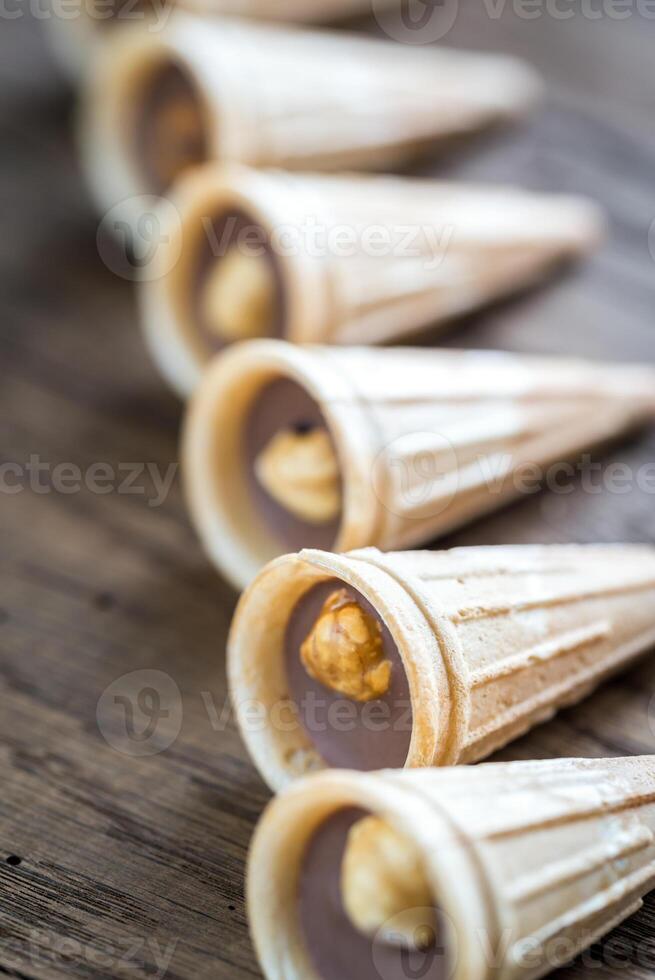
{"x":348,"y":734}
{"x":284,"y":404}
{"x":337,"y":949}
{"x":170,"y":132}
{"x":233,"y":229}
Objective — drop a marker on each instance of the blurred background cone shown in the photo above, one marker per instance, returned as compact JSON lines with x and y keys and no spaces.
{"x":293,"y":11}
{"x":75,"y":40}
{"x":340,"y":260}
{"x":160,"y":102}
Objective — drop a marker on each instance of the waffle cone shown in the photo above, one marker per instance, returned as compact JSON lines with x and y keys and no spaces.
{"x":75,"y":41}
{"x":427,"y":440}
{"x":493,"y":640}
{"x":530,"y":862}
{"x":273,"y":96}
{"x":441,"y":250}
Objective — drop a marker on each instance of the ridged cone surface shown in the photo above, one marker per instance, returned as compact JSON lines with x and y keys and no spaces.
{"x":296,"y":99}
{"x":530,"y":862}
{"x":452,"y":247}
{"x":387,"y":255}
{"x":493,"y":640}
{"x":534,"y":628}
{"x":455,"y":434}
{"x":427,"y":439}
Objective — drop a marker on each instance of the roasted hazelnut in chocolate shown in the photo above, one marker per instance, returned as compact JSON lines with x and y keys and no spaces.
{"x":365,"y":909}
{"x":288,"y":447}
{"x":338,"y":260}
{"x":347,"y":681}
{"x":492,"y":872}
{"x":370,"y":661}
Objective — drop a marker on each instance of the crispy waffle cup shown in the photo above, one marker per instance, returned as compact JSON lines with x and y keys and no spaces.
{"x":531,"y":862}
{"x":493,"y":641}
{"x":441,"y":250}
{"x":426,"y":439}
{"x":302,"y":100}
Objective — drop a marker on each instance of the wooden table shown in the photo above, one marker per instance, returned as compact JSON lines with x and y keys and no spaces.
{"x":114,"y":864}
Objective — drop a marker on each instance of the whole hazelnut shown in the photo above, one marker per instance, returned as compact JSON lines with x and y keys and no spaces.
{"x":301,"y":472}
{"x":344,"y":650}
{"x":238,"y":297}
{"x":383,"y":885}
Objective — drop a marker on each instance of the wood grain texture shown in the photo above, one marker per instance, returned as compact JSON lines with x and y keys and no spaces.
{"x":132,"y":866}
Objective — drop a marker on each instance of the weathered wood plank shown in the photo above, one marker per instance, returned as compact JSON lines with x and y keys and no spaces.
{"x":132,"y":866}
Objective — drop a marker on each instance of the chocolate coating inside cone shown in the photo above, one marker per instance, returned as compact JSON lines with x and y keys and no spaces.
{"x":348,"y":734}
{"x":284,"y":405}
{"x":170,"y":132}
{"x":233,"y":230}
{"x":337,"y":949}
